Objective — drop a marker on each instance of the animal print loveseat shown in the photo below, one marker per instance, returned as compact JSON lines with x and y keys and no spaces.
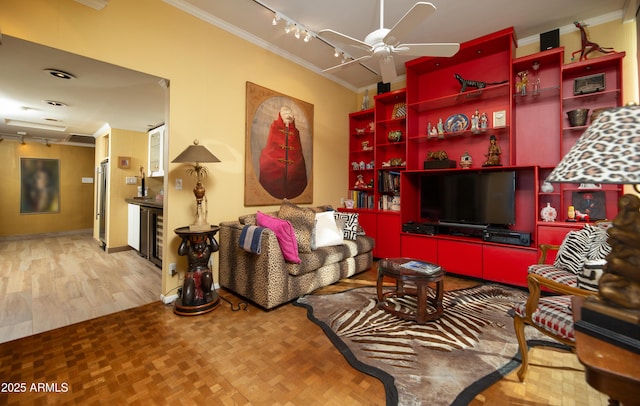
{"x":263,"y":274}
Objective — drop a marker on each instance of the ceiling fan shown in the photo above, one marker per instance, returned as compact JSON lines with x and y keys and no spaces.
{"x":383,"y":42}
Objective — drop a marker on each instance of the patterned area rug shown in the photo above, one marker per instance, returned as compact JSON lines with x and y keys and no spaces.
{"x":446,"y":362}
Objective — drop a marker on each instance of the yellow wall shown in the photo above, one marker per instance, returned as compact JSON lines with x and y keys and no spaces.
{"x":207,"y":69}
{"x":123,"y":143}
{"x":76,"y":198}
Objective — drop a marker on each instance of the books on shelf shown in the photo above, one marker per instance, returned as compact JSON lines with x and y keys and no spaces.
{"x":362,"y":199}
{"x":388,"y":182}
{"x":422,"y":267}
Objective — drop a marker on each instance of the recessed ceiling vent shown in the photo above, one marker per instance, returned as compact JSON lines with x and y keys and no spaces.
{"x":82,"y":139}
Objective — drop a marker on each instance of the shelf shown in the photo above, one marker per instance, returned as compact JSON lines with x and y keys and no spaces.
{"x":542,"y":94}
{"x":392,"y":121}
{"x":471,"y":96}
{"x":585,"y":98}
{"x":391,"y":144}
{"x":445,"y":136}
{"x":580,"y":128}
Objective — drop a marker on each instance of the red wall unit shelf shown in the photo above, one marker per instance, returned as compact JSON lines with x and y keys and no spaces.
{"x":534,"y":135}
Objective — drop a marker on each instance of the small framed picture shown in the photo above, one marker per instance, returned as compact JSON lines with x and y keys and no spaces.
{"x":499,"y":119}
{"x":589,"y":84}
{"x":124,"y":162}
{"x":591,"y":203}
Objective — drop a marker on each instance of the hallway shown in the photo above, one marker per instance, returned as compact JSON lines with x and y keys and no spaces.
{"x":50,"y":282}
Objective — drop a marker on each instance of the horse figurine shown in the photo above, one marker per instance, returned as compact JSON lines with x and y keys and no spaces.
{"x":588,"y":46}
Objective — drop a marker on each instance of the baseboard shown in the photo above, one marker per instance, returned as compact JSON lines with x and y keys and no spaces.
{"x":168,"y":299}
{"x":45,"y":235}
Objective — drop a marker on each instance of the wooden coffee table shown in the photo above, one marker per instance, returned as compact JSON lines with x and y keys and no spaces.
{"x":413,"y":278}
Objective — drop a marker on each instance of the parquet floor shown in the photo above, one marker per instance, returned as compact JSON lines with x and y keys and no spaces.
{"x":147,"y":355}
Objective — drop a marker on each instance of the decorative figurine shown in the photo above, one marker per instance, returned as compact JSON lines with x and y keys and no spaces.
{"x":484,"y":121}
{"x":466,"y":161}
{"x":571,"y":213}
{"x":437,"y":155}
{"x":475,"y":121}
{"x":362,"y":165}
{"x":433,"y":131}
{"x":365,"y":100}
{"x":588,"y":46}
{"x":521,"y":85}
{"x":536,"y":82}
{"x":360,"y":183}
{"x":464,"y":83}
{"x":355,"y":166}
{"x":372,"y":127}
{"x":440,"y":127}
{"x":494,"y":152}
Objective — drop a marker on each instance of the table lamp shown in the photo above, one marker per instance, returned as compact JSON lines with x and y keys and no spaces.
{"x":198,"y":154}
{"x":609,"y":152}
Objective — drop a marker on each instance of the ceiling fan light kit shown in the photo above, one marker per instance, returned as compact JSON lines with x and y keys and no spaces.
{"x":383,"y":42}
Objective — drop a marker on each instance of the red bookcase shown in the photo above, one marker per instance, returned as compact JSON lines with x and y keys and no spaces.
{"x":531,"y":128}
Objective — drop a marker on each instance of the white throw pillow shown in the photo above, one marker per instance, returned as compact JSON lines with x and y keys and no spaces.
{"x":327,"y":232}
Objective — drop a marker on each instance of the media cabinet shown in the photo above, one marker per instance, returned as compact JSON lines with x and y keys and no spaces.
{"x":532,"y":129}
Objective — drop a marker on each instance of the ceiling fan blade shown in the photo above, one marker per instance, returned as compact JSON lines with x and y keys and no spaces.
{"x":346,"y":64}
{"x":334,"y":37}
{"x":388,"y":69}
{"x":443,"y":49}
{"x":416,"y":15}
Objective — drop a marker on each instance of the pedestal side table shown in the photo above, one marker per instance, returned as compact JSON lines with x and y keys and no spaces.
{"x":198,"y":293}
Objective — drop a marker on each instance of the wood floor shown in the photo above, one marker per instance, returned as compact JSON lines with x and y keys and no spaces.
{"x":147,"y":355}
{"x":46,"y":283}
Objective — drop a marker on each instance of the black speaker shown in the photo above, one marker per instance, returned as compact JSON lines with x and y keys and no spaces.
{"x":383,"y":87}
{"x":550,"y":39}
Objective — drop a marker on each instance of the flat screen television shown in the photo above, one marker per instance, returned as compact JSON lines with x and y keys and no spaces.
{"x":469,"y":198}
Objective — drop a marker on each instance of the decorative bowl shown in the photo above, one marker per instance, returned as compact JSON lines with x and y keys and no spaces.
{"x":578,"y":117}
{"x":395,"y":136}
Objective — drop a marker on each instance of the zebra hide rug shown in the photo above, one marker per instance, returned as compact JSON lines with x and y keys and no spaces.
{"x":445,"y":362}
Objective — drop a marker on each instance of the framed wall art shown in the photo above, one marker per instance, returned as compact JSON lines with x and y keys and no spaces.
{"x":124,"y":162}
{"x":591,"y":203}
{"x":278,"y":148}
{"x":39,"y":185}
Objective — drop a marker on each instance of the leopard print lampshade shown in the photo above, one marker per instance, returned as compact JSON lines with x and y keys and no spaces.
{"x":608,"y":151}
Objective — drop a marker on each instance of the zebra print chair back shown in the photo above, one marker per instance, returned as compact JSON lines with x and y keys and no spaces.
{"x":574,"y":272}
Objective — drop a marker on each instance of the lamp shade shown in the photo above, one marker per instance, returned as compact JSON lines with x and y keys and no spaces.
{"x":195,"y":153}
{"x":608,"y":151}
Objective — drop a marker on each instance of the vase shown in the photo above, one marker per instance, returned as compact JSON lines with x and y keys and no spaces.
{"x":548,"y":213}
{"x":547,"y":187}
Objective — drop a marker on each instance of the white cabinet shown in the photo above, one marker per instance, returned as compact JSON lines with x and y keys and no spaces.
{"x":133,"y":226}
{"x":156,"y":151}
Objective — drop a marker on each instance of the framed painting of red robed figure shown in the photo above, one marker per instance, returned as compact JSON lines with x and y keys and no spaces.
{"x":39,"y":185}
{"x":278,"y":148}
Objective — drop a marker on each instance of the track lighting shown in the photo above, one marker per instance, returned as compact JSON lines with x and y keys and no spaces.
{"x":289,"y":27}
{"x":336,"y":53}
{"x":21,"y":139}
